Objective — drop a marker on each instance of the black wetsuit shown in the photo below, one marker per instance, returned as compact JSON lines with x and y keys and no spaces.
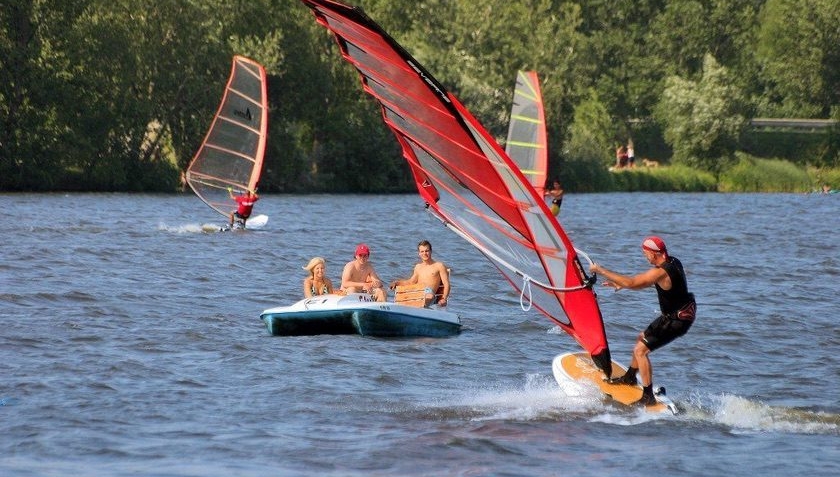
{"x":677,"y":306}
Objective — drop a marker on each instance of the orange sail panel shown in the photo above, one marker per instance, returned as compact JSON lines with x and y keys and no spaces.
{"x":527,"y":139}
{"x":232,"y":153}
{"x":467,"y":179}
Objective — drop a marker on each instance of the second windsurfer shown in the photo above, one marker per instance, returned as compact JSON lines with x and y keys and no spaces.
{"x":244,"y":205}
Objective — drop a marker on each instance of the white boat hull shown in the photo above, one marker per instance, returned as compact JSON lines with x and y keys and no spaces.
{"x":358,"y":313}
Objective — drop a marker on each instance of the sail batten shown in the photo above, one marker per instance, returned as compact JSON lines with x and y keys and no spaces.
{"x":232,"y":153}
{"x":467,"y":179}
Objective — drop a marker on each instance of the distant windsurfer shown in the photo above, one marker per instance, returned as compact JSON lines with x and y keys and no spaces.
{"x":429,"y":273}
{"x":244,"y":205}
{"x":675,"y":302}
{"x":556,"y":194}
{"x":360,"y":277}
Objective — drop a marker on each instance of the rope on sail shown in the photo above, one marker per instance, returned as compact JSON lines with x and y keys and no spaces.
{"x":526,"y":284}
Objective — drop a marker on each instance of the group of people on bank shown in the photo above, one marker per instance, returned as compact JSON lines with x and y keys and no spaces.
{"x":625,"y":156}
{"x":359,"y":276}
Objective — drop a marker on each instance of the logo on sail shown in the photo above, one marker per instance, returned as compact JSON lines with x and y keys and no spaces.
{"x":243,"y":114}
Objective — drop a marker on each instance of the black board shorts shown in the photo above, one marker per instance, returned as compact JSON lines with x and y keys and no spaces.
{"x":665,"y":329}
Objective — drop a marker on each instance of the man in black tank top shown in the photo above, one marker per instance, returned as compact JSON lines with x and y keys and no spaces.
{"x":675,"y":302}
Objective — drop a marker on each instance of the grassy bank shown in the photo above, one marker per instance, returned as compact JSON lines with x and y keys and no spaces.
{"x":748,"y":174}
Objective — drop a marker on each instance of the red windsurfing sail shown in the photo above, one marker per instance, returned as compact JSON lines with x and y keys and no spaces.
{"x":232,"y":153}
{"x":527,"y":141}
{"x":467,"y":179}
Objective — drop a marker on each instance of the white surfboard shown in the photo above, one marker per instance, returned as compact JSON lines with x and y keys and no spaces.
{"x":256,"y":222}
{"x":579,"y":367}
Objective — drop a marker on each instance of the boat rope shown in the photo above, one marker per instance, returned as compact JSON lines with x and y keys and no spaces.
{"x":526,"y":284}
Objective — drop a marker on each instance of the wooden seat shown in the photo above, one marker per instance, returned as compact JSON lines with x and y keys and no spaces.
{"x":410,"y":295}
{"x":415,"y":295}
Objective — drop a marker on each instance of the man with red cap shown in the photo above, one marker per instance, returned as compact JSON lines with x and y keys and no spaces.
{"x":675,"y":302}
{"x":360,"y":277}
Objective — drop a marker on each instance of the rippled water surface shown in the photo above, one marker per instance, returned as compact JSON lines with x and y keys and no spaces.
{"x":131,"y":344}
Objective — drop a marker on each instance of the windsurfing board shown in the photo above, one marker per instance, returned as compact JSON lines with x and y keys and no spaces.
{"x":579,"y":367}
{"x":255,"y":222}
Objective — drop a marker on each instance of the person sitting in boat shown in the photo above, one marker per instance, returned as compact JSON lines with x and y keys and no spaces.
{"x":429,"y":273}
{"x":360,"y":277}
{"x":244,"y":205}
{"x":316,"y":283}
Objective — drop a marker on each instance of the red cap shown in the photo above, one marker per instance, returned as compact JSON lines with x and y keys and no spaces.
{"x":654,"y":244}
{"x":362,"y":249}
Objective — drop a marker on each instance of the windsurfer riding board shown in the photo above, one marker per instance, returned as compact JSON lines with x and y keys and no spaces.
{"x":244,"y":205}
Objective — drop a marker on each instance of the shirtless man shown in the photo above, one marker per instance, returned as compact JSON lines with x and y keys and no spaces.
{"x":360,"y":277}
{"x":429,"y":273}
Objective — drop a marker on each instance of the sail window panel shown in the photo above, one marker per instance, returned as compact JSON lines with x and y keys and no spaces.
{"x":238,"y":120}
{"x":396,"y":91}
{"x":399,"y":80}
{"x":240,"y":110}
{"x":461,"y":162}
{"x":508,"y":174}
{"x":234,"y":140}
{"x":353,"y":32}
{"x":248,"y":68}
{"x":523,"y":130}
{"x":401,"y":101}
{"x":457,"y":149}
{"x":460,"y":203}
{"x":522,"y":146}
{"x":493,"y":233}
{"x":248,"y":86}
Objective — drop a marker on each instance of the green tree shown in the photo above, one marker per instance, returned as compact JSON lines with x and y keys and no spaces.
{"x":702,"y":119}
{"x":35,"y":140}
{"x":798,"y":47}
{"x":590,"y":145}
{"x":592,"y":133}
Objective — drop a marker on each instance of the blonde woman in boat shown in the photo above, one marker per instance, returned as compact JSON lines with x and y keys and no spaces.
{"x":317,"y":283}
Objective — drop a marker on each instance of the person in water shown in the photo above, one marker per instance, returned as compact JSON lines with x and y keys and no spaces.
{"x":556,"y":194}
{"x":360,"y":277}
{"x":675,"y":302}
{"x":244,"y":205}
{"x":429,"y":273}
{"x":317,"y":283}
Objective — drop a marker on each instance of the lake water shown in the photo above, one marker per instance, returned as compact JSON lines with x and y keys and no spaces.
{"x":131,"y":344}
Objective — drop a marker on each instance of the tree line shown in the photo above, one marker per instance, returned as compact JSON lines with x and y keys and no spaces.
{"x":116,"y":95}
